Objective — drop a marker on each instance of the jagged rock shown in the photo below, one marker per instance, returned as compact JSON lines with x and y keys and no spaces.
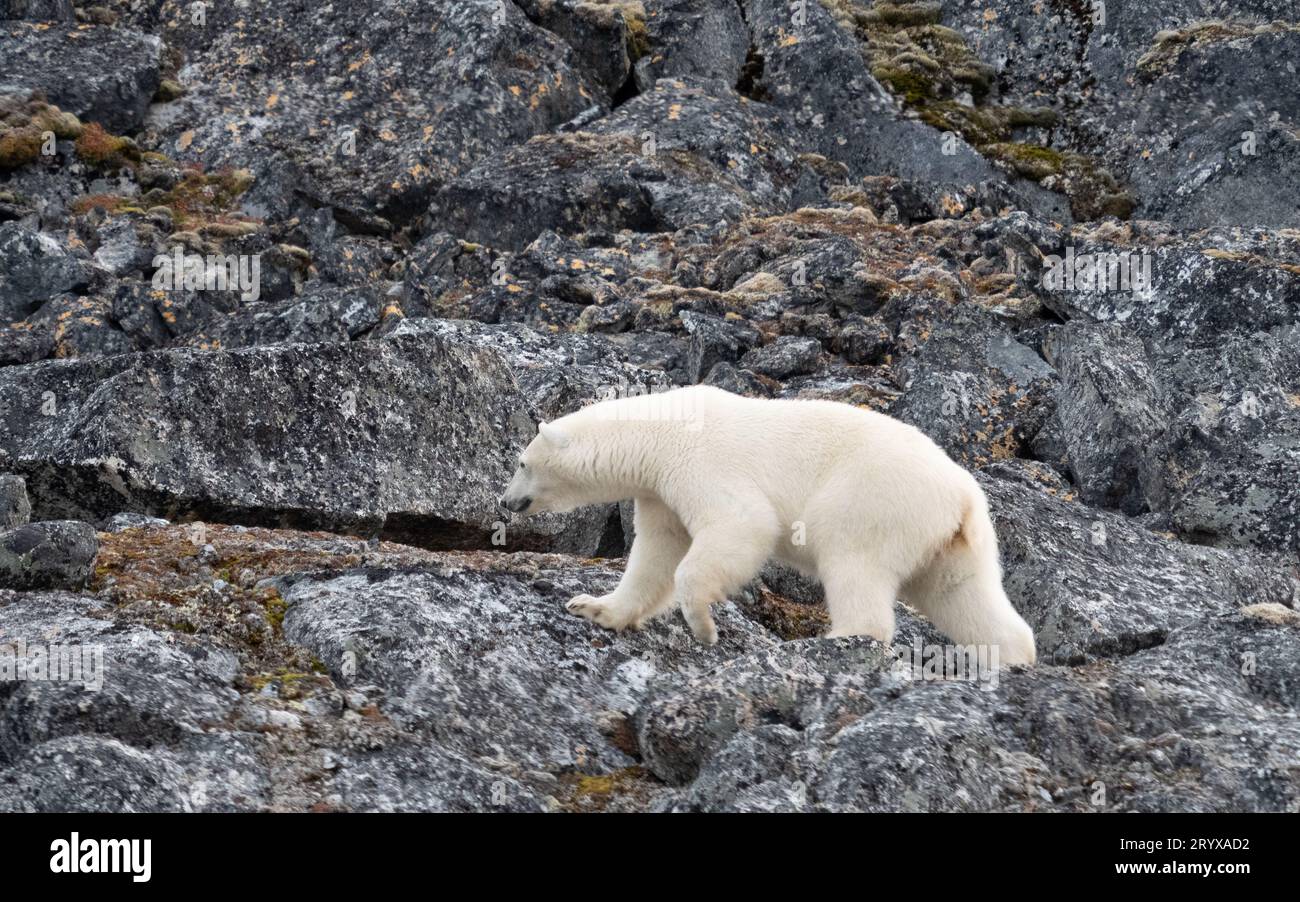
{"x":320,"y":314}
{"x":687,"y":152}
{"x":399,"y":631}
{"x":37,"y":10}
{"x":1108,"y":415}
{"x":557,"y":373}
{"x":1094,"y":584}
{"x":34,"y":267}
{"x":714,"y":341}
{"x":333,"y":123}
{"x":603,"y":35}
{"x":1190,"y":79}
{"x":826,"y":727}
{"x":1208,"y":397}
{"x":968,"y":383}
{"x":693,"y":38}
{"x":816,"y":73}
{"x":787,"y":356}
{"x":96,"y":72}
{"x":55,"y":554}
{"x":15,"y":508}
{"x":24,"y":345}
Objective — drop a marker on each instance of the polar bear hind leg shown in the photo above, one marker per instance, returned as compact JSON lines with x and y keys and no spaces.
{"x":859,"y":597}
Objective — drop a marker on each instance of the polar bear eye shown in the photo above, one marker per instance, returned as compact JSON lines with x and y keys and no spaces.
{"x":522,"y":465}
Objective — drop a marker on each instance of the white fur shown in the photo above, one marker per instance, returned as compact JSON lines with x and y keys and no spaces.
{"x":864,"y":503}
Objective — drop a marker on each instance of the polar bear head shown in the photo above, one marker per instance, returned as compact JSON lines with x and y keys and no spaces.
{"x":544,"y":479}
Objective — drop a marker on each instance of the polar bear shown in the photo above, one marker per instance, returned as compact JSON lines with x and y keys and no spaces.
{"x":862,"y":502}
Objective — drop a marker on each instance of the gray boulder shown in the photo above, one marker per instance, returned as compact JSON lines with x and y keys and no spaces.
{"x":56,"y":554}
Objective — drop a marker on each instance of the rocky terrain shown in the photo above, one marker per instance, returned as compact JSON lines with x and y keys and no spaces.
{"x":268,"y":510}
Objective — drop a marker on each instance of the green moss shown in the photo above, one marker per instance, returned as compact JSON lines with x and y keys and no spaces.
{"x":65,"y":126}
{"x":1093,"y":192}
{"x":638,"y":38}
{"x":914,"y":87}
{"x":168,"y":90}
{"x":285,"y":678}
{"x":930,"y":68}
{"x":196,"y":201}
{"x":1029,"y":160}
{"x":24,"y":126}
{"x":276,"y":608}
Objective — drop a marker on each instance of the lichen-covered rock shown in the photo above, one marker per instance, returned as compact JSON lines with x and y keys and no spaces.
{"x":1191,"y":387}
{"x":34,"y":267}
{"x":412,"y":418}
{"x":686,"y":152}
{"x":321,"y":313}
{"x":370,"y":124}
{"x":1093,"y":584}
{"x":15,"y":508}
{"x":1210,"y":135}
{"x":815,"y":71}
{"x":842,"y":736}
{"x":544,"y":697}
{"x":98,"y":73}
{"x":37,"y":10}
{"x":52,"y":554}
{"x":693,"y":38}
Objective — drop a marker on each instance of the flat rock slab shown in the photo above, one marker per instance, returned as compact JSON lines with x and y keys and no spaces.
{"x":416,"y":435}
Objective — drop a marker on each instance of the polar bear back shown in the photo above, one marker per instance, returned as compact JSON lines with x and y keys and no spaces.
{"x":816,"y":459}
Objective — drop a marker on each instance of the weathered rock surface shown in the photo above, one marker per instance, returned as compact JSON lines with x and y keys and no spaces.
{"x":414,"y":416}
{"x":372,"y":124}
{"x":56,"y":554}
{"x":96,"y":72}
{"x":15,"y":507}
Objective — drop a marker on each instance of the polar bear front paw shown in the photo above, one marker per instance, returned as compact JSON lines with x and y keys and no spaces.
{"x":604,"y":611}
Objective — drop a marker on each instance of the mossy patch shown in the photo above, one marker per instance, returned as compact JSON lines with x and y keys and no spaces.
{"x":97,"y":148}
{"x":1170,"y":45}
{"x":935,"y":74}
{"x":1092,"y":190}
{"x":26,"y":125}
{"x":162,"y":578}
{"x":625,"y":789}
{"x":168,"y":90}
{"x":788,"y":619}
{"x":19,"y":146}
{"x":197,"y":201}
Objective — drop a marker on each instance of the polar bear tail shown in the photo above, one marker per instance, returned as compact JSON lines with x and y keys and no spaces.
{"x":976,"y":529}
{"x":960,"y":590}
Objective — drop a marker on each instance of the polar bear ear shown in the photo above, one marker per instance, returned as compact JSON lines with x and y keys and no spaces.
{"x":553,"y":434}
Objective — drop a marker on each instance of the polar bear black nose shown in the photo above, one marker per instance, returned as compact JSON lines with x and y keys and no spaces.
{"x":518,"y":505}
